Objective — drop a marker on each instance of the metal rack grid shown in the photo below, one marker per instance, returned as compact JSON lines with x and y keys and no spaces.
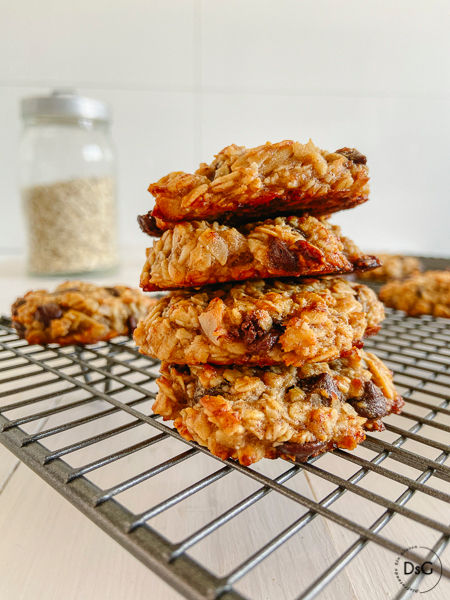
{"x":42,"y":388}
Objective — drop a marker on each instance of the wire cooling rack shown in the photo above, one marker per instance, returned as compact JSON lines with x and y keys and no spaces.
{"x":56,"y":404}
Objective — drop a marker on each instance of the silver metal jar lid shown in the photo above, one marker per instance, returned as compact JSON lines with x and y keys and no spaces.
{"x":65,"y":103}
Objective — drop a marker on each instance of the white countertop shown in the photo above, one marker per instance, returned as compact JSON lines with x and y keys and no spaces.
{"x":49,"y":550}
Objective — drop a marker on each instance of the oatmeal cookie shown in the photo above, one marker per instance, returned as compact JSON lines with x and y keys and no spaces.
{"x":393,"y":266}
{"x":198,"y":253}
{"x":424,"y":294}
{"x":249,"y":413}
{"x":252,"y":184}
{"x":263,"y":322}
{"x":78,"y":313}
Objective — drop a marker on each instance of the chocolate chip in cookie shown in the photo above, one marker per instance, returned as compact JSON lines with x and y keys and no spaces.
{"x":301,"y":452}
{"x":268,"y":340}
{"x":256,"y":338}
{"x":372,"y":404}
{"x":354,"y":155}
{"x":132,"y":323}
{"x":47,"y":312}
{"x":280,"y":257}
{"x":323,"y":385}
{"x":147,"y":223}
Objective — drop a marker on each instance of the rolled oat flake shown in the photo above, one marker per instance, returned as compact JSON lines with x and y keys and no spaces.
{"x":68,"y":184}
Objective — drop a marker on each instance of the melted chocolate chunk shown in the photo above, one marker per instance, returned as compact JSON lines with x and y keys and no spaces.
{"x":132,"y":323}
{"x":280,"y":257}
{"x":48,"y":312}
{"x":372,"y":404}
{"x":268,"y":340}
{"x":354,"y":155}
{"x":148,"y":225}
{"x":249,"y":329}
{"x":323,"y":385}
{"x":301,"y":451}
{"x":254,"y":336}
{"x":113,"y":291}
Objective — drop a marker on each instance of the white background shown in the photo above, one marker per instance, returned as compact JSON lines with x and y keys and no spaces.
{"x":187,"y":77}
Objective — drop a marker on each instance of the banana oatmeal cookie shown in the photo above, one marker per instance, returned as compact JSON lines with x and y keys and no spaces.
{"x":198,"y":253}
{"x":424,"y":294}
{"x":249,"y":413}
{"x":78,"y":313}
{"x":263,"y":322}
{"x":393,"y":266}
{"x":251,"y":184}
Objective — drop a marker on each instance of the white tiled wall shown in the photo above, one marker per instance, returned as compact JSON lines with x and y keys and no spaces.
{"x":187,"y":77}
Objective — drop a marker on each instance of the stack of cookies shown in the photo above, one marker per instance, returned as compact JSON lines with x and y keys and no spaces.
{"x":260,"y":340}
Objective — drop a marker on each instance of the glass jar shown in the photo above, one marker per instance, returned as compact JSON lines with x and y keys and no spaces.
{"x":67,"y":178}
